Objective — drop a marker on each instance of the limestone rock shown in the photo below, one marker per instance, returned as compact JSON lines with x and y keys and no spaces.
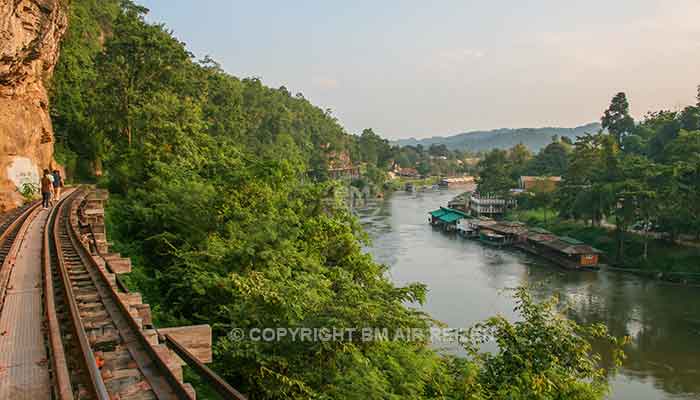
{"x":30,"y":35}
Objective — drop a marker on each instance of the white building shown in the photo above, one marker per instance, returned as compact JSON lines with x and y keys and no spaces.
{"x":489,"y":205}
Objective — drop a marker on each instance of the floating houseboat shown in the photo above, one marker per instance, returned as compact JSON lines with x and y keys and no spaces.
{"x":513,"y":232}
{"x":446,"y":218}
{"x":565,"y":251}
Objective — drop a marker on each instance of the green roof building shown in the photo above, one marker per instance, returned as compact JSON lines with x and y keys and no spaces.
{"x":446,"y":218}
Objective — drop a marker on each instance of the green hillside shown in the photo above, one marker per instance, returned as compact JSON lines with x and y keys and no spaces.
{"x":534,"y":138}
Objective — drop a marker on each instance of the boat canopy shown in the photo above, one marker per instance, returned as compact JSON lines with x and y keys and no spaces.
{"x":438,"y":213}
{"x":448,"y":215}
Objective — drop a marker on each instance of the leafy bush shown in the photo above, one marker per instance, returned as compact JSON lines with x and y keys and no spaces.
{"x":29,"y":191}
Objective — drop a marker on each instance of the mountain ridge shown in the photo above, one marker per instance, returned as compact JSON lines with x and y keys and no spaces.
{"x":502,"y":138}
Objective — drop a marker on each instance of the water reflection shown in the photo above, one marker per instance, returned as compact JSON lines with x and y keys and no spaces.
{"x":466,"y":283}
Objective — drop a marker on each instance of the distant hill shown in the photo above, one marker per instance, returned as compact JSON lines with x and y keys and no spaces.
{"x":534,"y":138}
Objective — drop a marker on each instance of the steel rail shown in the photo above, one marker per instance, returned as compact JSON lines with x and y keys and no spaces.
{"x":88,"y":358}
{"x":63,"y":389}
{"x":13,"y":220}
{"x":161,"y":379}
{"x":17,"y":222}
{"x":215,"y":381}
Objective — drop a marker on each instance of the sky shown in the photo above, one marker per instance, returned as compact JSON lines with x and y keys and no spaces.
{"x":424,"y":68}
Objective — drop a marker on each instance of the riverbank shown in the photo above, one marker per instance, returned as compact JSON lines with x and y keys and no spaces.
{"x":400,"y":182}
{"x":665,"y":260}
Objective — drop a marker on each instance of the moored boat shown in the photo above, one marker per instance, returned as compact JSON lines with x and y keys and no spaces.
{"x":491,"y":238}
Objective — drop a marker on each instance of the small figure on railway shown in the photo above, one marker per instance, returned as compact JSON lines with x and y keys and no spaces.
{"x":46,"y":188}
{"x":57,"y":185}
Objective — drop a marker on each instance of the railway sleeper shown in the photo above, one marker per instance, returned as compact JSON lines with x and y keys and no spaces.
{"x":127,"y":384}
{"x":90,"y":305}
{"x":87,"y":297}
{"x":94,"y":315}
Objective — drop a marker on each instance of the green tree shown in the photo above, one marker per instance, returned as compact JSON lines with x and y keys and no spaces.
{"x":424,"y":168}
{"x":519,"y":156}
{"x":663,"y":127}
{"x":553,"y":160}
{"x":374,"y":149}
{"x":545,"y":355}
{"x":79,"y":144}
{"x":544,"y":199}
{"x":587,"y":191}
{"x":138,"y":60}
{"x":690,"y":118}
{"x":682,"y":183}
{"x":617,"y":119}
{"x":495,"y":173}
{"x":438,"y":150}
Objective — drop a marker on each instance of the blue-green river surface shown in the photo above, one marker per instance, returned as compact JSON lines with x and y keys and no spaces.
{"x":466,"y":283}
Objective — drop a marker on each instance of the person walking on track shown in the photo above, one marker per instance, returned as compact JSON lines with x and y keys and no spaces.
{"x":46,"y":189}
{"x":57,"y":185}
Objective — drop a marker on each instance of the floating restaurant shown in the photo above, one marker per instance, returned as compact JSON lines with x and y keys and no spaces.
{"x":446,"y":218}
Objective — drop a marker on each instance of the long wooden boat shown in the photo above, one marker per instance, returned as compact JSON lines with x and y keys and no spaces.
{"x":492,"y":239}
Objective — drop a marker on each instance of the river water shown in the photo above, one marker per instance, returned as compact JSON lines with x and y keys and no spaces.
{"x":468,"y":283}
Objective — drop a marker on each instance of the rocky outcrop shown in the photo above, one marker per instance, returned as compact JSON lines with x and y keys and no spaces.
{"x":30,"y":35}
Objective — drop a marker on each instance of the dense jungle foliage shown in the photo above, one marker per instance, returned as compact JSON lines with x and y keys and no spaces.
{"x":220,"y":196}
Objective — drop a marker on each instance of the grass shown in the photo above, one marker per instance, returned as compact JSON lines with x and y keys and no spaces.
{"x":664,"y":257}
{"x":533,"y":217}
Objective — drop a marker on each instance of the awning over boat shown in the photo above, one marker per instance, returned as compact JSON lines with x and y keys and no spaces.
{"x":438,"y":213}
{"x":447,"y":215}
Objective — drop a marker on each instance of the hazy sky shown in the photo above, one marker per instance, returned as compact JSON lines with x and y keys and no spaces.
{"x":424,"y":68}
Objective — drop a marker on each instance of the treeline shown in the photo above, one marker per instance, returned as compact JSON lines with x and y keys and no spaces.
{"x":121,"y":104}
{"x":436,"y":159}
{"x":483,"y":141}
{"x":500,"y":170}
{"x":644,"y":173}
{"x":218,"y":196}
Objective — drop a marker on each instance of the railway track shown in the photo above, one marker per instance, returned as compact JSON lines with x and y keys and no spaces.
{"x":10,"y":224}
{"x":98,"y":348}
{"x":8,"y":218}
{"x":99,"y":343}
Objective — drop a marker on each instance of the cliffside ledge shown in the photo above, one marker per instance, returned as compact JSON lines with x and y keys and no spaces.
{"x":30,"y":35}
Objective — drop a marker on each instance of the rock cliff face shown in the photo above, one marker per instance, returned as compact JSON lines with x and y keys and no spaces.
{"x":30,"y":34}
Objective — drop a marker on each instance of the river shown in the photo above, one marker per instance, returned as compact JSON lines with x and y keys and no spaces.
{"x":467,"y":283}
